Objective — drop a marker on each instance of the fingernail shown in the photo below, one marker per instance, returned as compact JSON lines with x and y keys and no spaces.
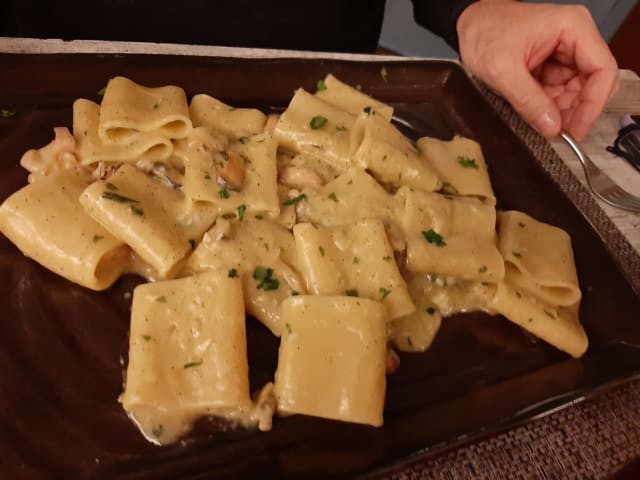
{"x":547,"y":123}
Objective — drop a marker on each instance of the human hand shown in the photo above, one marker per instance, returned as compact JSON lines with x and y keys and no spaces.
{"x":549,"y":61}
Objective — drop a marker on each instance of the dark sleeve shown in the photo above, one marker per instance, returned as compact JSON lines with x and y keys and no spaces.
{"x":440,"y":17}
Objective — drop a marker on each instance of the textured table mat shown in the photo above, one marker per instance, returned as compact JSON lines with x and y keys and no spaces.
{"x":589,"y":440}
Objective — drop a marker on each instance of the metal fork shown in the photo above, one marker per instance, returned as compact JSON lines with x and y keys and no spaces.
{"x":601,"y":185}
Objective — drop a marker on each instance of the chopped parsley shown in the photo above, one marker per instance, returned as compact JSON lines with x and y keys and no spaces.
{"x":517,"y":254}
{"x":5,"y":113}
{"x":352,"y":292}
{"x":146,"y":338}
{"x":224,"y":155}
{"x":482,"y":269}
{"x":368,"y":110}
{"x":288,"y":327}
{"x":383,"y":74}
{"x":157,"y":431}
{"x":223,"y":192}
{"x":430,"y":310}
{"x":233,"y":273}
{"x":102,"y":91}
{"x":356,"y":260}
{"x":110,"y":186}
{"x":332,"y":196}
{"x":386,"y":258}
{"x":320,"y":86}
{"x":317,"y":122}
{"x":384,"y":292}
{"x":448,"y":188}
{"x":192,"y":364}
{"x":241,"y":209}
{"x":97,"y":238}
{"x":434,"y":237}
{"x":467,"y":162}
{"x":265,"y":279}
{"x":341,"y":128}
{"x":136,"y":210}
{"x":295,"y":200}
{"x":207,"y":177}
{"x":161,"y":299}
{"x":321,"y":250}
{"x":294,"y":293}
{"x":259,"y":217}
{"x":115,"y":197}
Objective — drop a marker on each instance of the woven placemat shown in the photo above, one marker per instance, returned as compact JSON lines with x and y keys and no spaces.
{"x":590,"y":440}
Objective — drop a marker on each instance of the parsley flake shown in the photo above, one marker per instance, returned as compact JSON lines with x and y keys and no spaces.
{"x":434,"y":237}
{"x":157,"y":431}
{"x":448,"y":188}
{"x":136,"y":210}
{"x":384,"y":292}
{"x":97,"y":238}
{"x":430,"y":310}
{"x":223,"y":192}
{"x":110,"y":186}
{"x":482,"y":269}
{"x":207,"y":177}
{"x":115,"y":197}
{"x":102,"y":91}
{"x":161,"y":299}
{"x":146,"y":338}
{"x":368,"y":110}
{"x":320,"y":86}
{"x":5,"y":113}
{"x":321,"y":250}
{"x":294,"y":293}
{"x":192,"y":364}
{"x":356,"y":260}
{"x":265,"y":279}
{"x":318,"y":122}
{"x":467,"y":162}
{"x":341,"y":128}
{"x":288,"y":327}
{"x":352,"y":292}
{"x":332,"y":196}
{"x":295,"y":200}
{"x":233,"y":273}
{"x":241,"y":209}
{"x":517,"y":254}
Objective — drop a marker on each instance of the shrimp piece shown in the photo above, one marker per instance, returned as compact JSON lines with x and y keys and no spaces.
{"x":57,"y":155}
{"x":301,"y":178}
{"x":231,"y":169}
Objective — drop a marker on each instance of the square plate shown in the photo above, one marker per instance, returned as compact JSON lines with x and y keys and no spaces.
{"x":63,"y":347}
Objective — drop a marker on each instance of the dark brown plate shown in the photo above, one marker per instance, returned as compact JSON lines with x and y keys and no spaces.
{"x":62,"y":347}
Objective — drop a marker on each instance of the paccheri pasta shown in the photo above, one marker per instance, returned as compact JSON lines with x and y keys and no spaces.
{"x":324,"y":223}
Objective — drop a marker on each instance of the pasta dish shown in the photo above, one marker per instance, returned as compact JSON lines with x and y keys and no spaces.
{"x":325,"y":223}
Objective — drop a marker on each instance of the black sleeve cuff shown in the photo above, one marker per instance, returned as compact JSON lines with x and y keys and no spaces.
{"x":441,"y":17}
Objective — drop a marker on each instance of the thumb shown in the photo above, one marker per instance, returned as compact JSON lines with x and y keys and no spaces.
{"x":528,"y":98}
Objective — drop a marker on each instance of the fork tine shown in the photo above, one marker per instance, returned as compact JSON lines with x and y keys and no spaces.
{"x":600,"y":183}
